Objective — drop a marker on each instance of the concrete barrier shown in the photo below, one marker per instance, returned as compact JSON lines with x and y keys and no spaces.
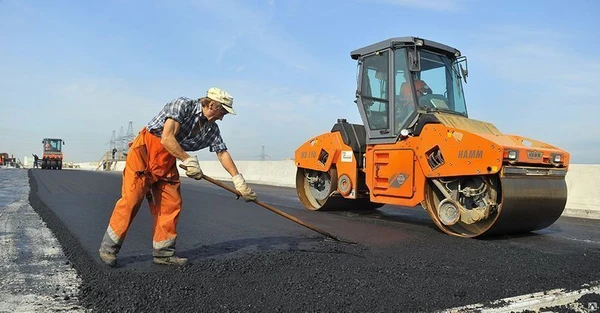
{"x":582,"y":180}
{"x":275,"y":173}
{"x":88,"y":166}
{"x":583,"y":189}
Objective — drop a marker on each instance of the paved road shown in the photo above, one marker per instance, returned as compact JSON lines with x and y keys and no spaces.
{"x":246,"y":258}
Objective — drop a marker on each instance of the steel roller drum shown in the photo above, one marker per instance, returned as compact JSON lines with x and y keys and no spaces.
{"x":529,"y":203}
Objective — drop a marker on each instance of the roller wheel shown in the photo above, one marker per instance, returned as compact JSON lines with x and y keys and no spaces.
{"x":318,"y":192}
{"x":476,"y":194}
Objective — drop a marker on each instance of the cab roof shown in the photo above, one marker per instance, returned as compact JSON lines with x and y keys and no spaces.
{"x":402,"y":41}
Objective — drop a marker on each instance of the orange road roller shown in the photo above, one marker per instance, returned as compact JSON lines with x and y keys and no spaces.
{"x":417,"y":146}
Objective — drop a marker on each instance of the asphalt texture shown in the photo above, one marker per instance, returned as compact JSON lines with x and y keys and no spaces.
{"x":246,"y":258}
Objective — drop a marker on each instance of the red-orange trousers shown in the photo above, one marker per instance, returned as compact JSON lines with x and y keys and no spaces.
{"x":150,"y":171}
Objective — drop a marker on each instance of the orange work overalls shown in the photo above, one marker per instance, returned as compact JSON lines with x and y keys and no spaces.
{"x":149,"y":167}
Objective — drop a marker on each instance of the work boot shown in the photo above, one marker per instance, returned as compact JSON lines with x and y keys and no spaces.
{"x":170,"y":260}
{"x":108,"y":258}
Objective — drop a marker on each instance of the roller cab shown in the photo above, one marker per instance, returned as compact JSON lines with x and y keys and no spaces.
{"x":417,"y":146}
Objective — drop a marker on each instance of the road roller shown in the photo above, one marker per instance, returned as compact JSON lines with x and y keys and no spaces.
{"x":52,"y":157}
{"x":417,"y":146}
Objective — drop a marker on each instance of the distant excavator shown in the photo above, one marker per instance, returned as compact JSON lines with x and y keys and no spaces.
{"x":418,"y":146}
{"x":52,"y":158}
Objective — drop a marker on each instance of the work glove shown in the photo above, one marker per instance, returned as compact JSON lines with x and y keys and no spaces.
{"x":243,"y":188}
{"x":192,"y":168}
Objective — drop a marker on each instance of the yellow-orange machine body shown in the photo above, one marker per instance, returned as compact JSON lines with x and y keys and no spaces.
{"x":418,"y":146}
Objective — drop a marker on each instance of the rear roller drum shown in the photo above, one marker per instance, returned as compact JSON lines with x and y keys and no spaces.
{"x":318,"y":192}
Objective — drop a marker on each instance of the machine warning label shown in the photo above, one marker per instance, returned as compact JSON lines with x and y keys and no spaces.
{"x":346,"y":156}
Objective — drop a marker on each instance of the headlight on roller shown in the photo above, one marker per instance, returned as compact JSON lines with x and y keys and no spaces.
{"x":511,"y":155}
{"x":557,"y":158}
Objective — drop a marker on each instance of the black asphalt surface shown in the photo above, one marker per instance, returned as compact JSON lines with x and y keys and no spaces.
{"x":246,"y":258}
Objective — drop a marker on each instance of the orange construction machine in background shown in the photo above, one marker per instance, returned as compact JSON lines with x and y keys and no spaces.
{"x":9,"y":161}
{"x":52,"y":157}
{"x":5,"y":159}
{"x":418,"y":146}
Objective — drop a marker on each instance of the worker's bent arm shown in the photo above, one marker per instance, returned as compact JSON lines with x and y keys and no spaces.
{"x":227,"y":162}
{"x":168,"y":140}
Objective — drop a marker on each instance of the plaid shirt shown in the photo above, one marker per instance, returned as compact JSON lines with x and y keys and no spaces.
{"x":188,"y":113}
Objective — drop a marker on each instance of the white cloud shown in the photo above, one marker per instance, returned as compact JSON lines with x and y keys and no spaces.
{"x":435,"y":5}
{"x":74,"y":88}
{"x":542,"y":88}
{"x":277,"y":117}
{"x":103,"y":97}
{"x":81,"y":111}
{"x":252,"y":29}
{"x":526,"y":55}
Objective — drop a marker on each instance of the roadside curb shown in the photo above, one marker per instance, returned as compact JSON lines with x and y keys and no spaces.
{"x":582,"y":213}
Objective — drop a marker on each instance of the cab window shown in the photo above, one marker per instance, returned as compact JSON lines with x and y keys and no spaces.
{"x":375,"y":96}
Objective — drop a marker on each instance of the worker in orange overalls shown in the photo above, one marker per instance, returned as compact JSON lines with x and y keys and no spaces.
{"x":150,"y":171}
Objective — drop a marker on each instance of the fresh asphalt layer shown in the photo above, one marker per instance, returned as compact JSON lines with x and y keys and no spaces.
{"x":246,"y":258}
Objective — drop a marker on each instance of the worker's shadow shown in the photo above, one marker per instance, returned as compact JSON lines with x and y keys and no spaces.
{"x":241,"y":247}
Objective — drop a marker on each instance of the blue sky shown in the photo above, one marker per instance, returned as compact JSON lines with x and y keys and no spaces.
{"x":80,"y":70}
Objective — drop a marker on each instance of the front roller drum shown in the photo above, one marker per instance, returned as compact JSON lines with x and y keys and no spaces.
{"x":318,"y":191}
{"x":514,"y":204}
{"x":530,"y":204}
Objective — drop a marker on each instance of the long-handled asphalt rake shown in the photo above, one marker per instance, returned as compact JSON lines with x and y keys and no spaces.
{"x":274,"y":210}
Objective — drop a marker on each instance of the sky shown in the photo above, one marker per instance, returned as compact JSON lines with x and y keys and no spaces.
{"x":81,"y":70}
